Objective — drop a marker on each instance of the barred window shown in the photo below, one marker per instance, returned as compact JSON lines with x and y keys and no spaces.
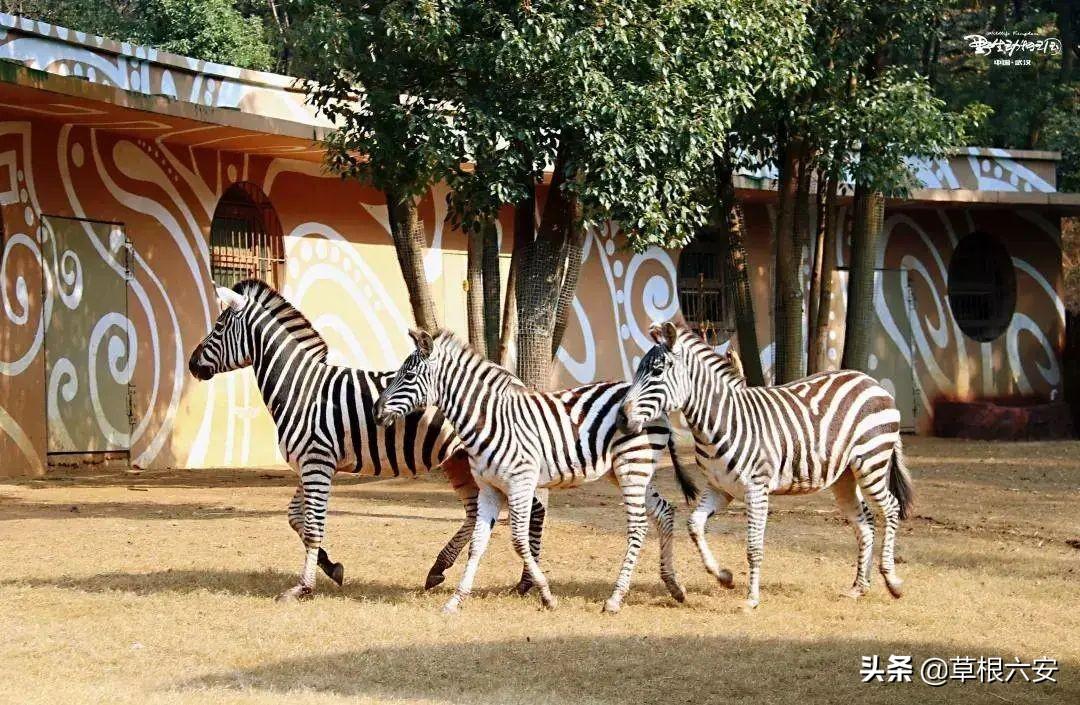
{"x":982,"y":287}
{"x":702,"y":290}
{"x":245,"y":238}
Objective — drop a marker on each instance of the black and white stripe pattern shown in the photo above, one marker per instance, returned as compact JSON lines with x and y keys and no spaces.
{"x":519,"y":440}
{"x":833,"y":429}
{"x":325,"y":421}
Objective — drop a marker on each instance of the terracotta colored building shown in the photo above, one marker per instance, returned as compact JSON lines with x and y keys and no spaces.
{"x":130,"y":179}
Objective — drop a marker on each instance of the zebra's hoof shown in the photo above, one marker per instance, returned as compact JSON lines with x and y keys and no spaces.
{"x":295,"y":594}
{"x":338,"y":574}
{"x":612,"y":606}
{"x":895,"y":585}
{"x":451,"y":607}
{"x":854,"y":592}
{"x":548,"y":600}
{"x":749,"y":606}
{"x":434,"y":580}
{"x":677,"y":591}
{"x":724,"y":577}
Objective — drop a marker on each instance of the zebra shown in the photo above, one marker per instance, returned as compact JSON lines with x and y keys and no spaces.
{"x":325,"y":423}
{"x":832,"y":429}
{"x":519,"y":440}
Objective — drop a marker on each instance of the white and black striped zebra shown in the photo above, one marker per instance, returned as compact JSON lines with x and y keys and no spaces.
{"x":325,"y":422}
{"x":519,"y":440}
{"x":832,"y":429}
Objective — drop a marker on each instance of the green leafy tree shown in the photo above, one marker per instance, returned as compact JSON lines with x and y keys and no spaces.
{"x":213,"y":30}
{"x":865,"y":111}
{"x":387,"y":74}
{"x":629,"y":102}
{"x":625,"y":103}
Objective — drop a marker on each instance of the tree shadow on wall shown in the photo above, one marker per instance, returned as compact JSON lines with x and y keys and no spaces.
{"x":618,"y":670}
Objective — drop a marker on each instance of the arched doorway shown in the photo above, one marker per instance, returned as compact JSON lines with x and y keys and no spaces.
{"x":246,"y":238}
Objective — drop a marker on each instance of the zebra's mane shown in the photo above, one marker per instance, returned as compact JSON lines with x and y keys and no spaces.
{"x":728,"y":366}
{"x":299,"y":327}
{"x":449,"y":339}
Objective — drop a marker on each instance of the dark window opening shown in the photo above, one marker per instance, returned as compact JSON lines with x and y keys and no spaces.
{"x":245,"y":238}
{"x":982,"y":287}
{"x":703,"y":294}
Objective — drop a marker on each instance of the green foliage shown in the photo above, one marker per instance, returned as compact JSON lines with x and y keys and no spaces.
{"x":1034,"y":107}
{"x":213,"y":30}
{"x":867,"y":108}
{"x":632,"y":99}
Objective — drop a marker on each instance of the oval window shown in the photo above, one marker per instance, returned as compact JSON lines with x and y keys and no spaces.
{"x":982,"y":287}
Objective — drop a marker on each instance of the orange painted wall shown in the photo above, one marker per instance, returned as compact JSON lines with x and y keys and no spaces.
{"x":342,"y":272}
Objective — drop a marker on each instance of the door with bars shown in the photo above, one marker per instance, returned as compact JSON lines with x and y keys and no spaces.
{"x":245,"y":238}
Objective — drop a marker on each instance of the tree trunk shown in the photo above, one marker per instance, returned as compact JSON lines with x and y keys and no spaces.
{"x":539,"y":283}
{"x":524,"y":232}
{"x":789,"y":294}
{"x":407,"y":231}
{"x":814,"y":287}
{"x":1066,"y":25}
{"x":869,"y":211}
{"x":819,"y":333}
{"x":574,"y":249}
{"x":738,"y":274}
{"x":492,"y":286}
{"x":474,"y":292}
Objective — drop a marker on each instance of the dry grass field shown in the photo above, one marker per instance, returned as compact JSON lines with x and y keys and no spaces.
{"x":158,"y":588}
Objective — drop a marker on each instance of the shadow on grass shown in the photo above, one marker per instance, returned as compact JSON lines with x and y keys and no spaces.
{"x":268,"y":583}
{"x":617,"y":670}
{"x":14,"y":508}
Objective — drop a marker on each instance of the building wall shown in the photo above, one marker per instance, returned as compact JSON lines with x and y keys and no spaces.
{"x":342,"y":272}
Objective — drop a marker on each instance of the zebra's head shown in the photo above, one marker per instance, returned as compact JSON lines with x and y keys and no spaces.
{"x":227,"y":347}
{"x":410,"y":388}
{"x":661,"y":382}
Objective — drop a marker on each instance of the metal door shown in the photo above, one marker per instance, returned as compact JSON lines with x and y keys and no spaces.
{"x":89,"y":339}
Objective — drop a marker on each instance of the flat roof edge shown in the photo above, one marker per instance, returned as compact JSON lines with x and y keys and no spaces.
{"x":16,"y":73}
{"x":149,"y":54}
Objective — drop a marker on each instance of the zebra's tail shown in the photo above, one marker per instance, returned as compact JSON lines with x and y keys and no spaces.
{"x":900,"y":481}
{"x":682,"y":475}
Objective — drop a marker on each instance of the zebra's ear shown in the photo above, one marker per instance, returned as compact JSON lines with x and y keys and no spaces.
{"x":670,"y":334}
{"x":656,"y":333}
{"x":423,"y":340}
{"x":230,"y":298}
{"x":735,"y":360}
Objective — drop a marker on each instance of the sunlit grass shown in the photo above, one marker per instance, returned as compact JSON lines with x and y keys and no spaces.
{"x":158,"y":588}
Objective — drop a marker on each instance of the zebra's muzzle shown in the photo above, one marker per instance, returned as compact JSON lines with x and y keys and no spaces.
{"x":385,"y":418}
{"x":198,"y":370}
{"x":625,"y":424}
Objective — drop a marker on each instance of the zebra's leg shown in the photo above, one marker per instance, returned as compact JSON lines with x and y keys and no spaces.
{"x":858,"y":515}
{"x":334,"y":571}
{"x":536,"y":534}
{"x":316,"y":474}
{"x":633,"y":480}
{"x":873,"y":476}
{"x":757,"y":513}
{"x":460,"y":477}
{"x":487,"y":511}
{"x":708,"y":504}
{"x":662,"y":514}
{"x":520,"y":498}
